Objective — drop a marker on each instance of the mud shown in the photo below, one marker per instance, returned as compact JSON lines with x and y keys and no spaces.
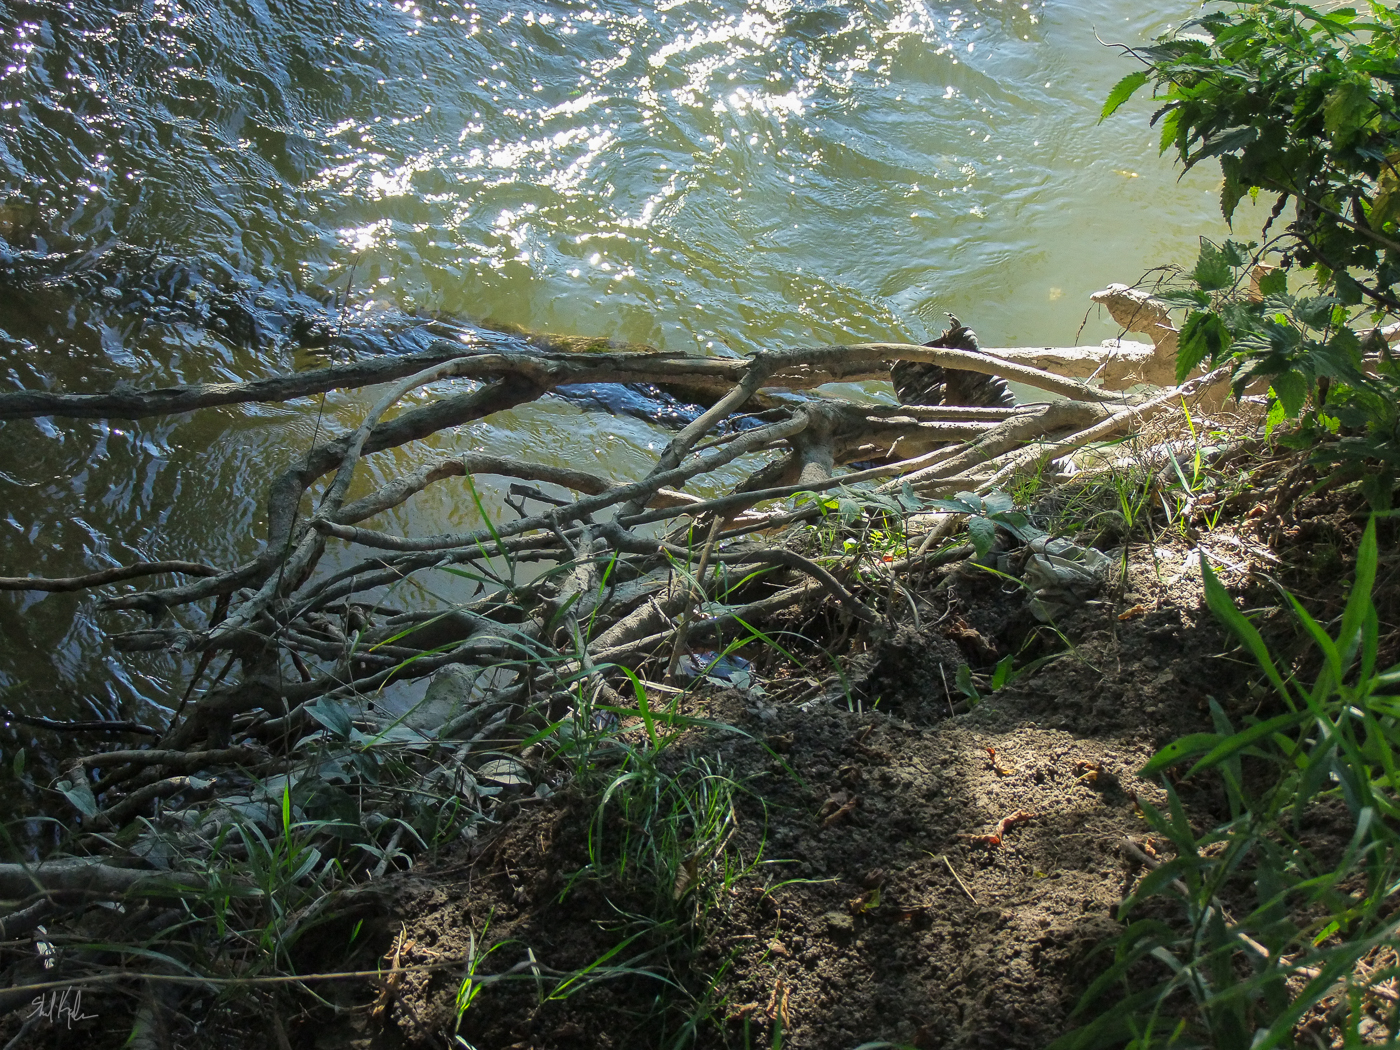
{"x":878,"y":906}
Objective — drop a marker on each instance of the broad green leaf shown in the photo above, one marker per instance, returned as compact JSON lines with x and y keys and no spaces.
{"x":1122,"y":91}
{"x":331,"y":715}
{"x":1236,"y":254}
{"x":1347,"y":110}
{"x":963,"y":680}
{"x":1203,"y":337}
{"x":80,"y":794}
{"x":983,"y":533}
{"x":1291,"y":389}
{"x":997,"y":501}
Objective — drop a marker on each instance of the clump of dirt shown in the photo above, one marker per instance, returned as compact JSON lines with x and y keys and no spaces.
{"x":923,"y":877}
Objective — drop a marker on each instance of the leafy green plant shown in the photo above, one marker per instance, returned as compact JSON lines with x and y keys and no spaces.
{"x":284,"y":878}
{"x":984,"y":514}
{"x":1302,"y":104}
{"x":472,"y":983}
{"x":1308,"y":350}
{"x":668,"y":836}
{"x":1296,"y":102}
{"x":1271,"y":924}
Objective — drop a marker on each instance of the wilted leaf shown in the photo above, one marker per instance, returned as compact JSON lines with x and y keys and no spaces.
{"x":686,"y":877}
{"x":504,"y":771}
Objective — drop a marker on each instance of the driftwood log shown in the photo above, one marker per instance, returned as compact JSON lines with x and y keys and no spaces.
{"x":623,"y":574}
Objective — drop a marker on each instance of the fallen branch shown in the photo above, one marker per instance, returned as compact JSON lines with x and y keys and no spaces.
{"x":89,"y":877}
{"x":105,"y":576}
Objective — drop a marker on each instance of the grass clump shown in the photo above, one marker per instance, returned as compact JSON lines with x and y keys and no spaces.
{"x":1259,"y":923}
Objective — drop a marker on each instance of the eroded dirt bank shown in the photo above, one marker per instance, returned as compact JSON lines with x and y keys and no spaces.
{"x":879,"y":909}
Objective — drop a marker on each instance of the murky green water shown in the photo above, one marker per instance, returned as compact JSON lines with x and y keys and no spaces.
{"x":696,"y":174}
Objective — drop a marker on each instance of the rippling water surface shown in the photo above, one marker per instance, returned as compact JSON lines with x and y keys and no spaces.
{"x":712,"y":176}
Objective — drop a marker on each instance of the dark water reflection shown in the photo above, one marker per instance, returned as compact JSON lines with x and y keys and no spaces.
{"x":708,"y":175}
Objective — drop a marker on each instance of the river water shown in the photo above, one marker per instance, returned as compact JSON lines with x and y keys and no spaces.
{"x":699,"y":175}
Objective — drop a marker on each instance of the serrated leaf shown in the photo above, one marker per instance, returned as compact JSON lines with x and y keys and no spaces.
{"x":1275,"y":282}
{"x":1236,"y":254}
{"x":1348,"y":291}
{"x":1385,"y":205}
{"x":1170,"y":50}
{"x":1203,"y":337}
{"x":1316,"y":311}
{"x":1171,"y":129}
{"x":1187,"y":297}
{"x":1122,"y":91}
{"x":1346,"y":110}
{"x":1231,"y":189}
{"x":1212,"y":271}
{"x":1226,"y":142}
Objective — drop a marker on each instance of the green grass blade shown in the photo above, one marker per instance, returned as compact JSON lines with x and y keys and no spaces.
{"x":1359,"y":604}
{"x":1224,"y":608}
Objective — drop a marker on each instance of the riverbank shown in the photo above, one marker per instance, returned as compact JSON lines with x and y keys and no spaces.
{"x":913,"y":828}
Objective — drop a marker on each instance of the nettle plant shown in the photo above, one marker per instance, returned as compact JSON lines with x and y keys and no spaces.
{"x":1301,"y":104}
